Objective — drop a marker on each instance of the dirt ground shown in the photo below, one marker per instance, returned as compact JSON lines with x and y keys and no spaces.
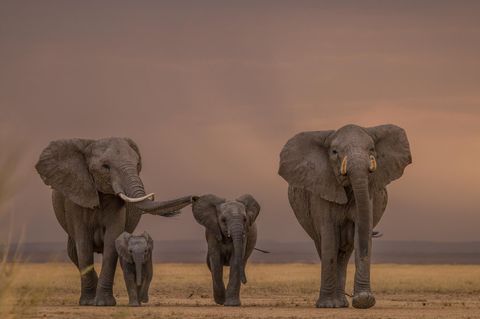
{"x":272,"y":291}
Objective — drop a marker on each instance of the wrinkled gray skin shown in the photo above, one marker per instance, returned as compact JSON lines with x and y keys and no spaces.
{"x":135,"y":253}
{"x":339,"y":211}
{"x":86,"y":177}
{"x":231,"y":235}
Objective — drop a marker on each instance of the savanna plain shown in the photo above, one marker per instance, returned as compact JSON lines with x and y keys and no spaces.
{"x":51,"y":290}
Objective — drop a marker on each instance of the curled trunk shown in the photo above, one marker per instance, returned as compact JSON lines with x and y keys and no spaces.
{"x":131,"y":185}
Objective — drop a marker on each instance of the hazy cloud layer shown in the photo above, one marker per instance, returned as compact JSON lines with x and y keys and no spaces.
{"x":211,"y":92}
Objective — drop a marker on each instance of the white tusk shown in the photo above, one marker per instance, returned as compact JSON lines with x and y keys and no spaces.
{"x":136,"y":200}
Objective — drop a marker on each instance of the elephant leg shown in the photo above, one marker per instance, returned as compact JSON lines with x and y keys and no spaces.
{"x":88,"y":276}
{"x":147,"y":279}
{"x":326,"y":242}
{"x":130,"y":283}
{"x":344,"y":253}
{"x":215,"y":265}
{"x":104,"y":295}
{"x":232,"y":294}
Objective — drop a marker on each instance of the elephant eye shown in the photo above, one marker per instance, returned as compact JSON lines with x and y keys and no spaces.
{"x":106,"y":166}
{"x":334,"y":151}
{"x":372,"y":150}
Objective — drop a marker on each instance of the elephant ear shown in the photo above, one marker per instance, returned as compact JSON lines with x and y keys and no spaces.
{"x":393,"y":152}
{"x":62,"y":166}
{"x":205,"y":211}
{"x":137,"y":150}
{"x":149,"y":241}
{"x":252,"y":207}
{"x":121,"y":244}
{"x":305,"y":164}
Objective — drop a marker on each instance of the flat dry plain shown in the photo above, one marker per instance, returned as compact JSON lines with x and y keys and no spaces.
{"x":273,"y":291}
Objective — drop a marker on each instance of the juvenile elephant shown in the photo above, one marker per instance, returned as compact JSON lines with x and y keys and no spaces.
{"x":231,"y":235}
{"x":97,"y":194}
{"x":136,"y":261}
{"x":337,"y":183}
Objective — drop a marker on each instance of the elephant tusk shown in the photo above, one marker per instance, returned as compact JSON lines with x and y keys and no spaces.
{"x":343,"y":168}
{"x":136,"y":200}
{"x":373,"y":164}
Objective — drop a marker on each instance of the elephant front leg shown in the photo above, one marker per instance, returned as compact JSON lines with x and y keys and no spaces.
{"x":131,"y":284}
{"x":148,"y":274}
{"x":327,"y":246}
{"x":344,"y":253}
{"x":362,"y":293}
{"x":216,"y":268}
{"x":104,"y":296}
{"x":232,"y":295}
{"x":88,"y":276}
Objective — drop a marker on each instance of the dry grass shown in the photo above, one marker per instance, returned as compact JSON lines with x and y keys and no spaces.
{"x":273,"y":291}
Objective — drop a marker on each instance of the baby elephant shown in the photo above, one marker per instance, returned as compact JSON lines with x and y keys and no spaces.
{"x":231,"y":235}
{"x":136,"y":260}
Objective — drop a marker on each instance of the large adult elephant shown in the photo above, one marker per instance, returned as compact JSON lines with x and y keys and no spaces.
{"x":97,"y":195}
{"x":337,"y":183}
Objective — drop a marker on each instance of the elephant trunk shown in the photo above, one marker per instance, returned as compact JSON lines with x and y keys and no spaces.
{"x":130,"y":188}
{"x":138,"y":260}
{"x":237,"y":231}
{"x":363,"y":228}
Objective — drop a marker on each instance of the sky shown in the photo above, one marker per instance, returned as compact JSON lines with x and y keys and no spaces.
{"x":212,"y":90}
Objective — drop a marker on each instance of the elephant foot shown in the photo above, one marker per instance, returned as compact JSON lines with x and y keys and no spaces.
{"x":219,"y":297}
{"x":87,"y":300}
{"x":331,"y":302}
{"x":105,"y":300}
{"x":363,"y":300}
{"x":342,"y":301}
{"x":144,"y":299}
{"x":134,"y":303}
{"x":232,"y":302}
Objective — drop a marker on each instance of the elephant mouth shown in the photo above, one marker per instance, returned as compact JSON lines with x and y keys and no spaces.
{"x":127,"y":199}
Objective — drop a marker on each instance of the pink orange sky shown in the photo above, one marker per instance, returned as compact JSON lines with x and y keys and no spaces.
{"x":211,"y":91}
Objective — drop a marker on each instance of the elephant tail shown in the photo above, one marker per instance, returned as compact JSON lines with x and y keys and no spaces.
{"x":72,"y":251}
{"x":262,"y":250}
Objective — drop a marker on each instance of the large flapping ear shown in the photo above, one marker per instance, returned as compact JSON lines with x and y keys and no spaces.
{"x":305,"y":164}
{"x":205,"y":211}
{"x":62,"y":166}
{"x":137,"y":150}
{"x":393,"y":152}
{"x":149,"y":241}
{"x":252,"y":207}
{"x":121,"y":244}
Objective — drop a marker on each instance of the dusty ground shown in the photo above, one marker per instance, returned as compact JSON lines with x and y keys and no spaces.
{"x":273,"y":291}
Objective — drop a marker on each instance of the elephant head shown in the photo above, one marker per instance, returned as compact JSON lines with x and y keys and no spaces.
{"x":81,"y":169}
{"x":135,"y":250}
{"x":229,"y":220}
{"x":327,"y":163}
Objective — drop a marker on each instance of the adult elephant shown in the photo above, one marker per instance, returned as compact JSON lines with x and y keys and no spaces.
{"x":97,"y":195}
{"x":337,"y":183}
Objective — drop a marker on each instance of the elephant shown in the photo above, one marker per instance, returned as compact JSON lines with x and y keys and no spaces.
{"x":231,"y":234}
{"x":135,"y":253}
{"x":98,"y":194}
{"x":337,"y":191}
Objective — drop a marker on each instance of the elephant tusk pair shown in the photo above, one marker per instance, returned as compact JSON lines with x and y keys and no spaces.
{"x":371,"y":168}
{"x":373,"y":164}
{"x":136,"y":200}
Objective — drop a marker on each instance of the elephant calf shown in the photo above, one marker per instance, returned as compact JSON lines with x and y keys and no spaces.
{"x":231,"y":235}
{"x":136,"y":260}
